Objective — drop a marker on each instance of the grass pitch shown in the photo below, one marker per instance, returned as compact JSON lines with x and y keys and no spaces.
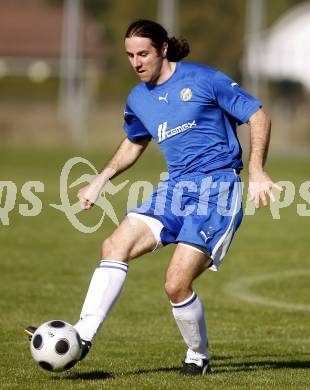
{"x":257,"y":306}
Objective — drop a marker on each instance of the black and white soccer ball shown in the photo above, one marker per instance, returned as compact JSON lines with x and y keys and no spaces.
{"x":56,"y":346}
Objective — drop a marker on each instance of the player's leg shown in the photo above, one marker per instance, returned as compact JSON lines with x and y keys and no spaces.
{"x":136,"y":235}
{"x":131,"y":239}
{"x":186,"y":265}
{"x":211,"y":230}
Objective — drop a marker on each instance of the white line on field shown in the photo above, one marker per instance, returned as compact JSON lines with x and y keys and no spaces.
{"x":240,"y":289}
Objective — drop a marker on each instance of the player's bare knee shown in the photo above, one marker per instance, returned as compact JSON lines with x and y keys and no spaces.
{"x":110,"y":250}
{"x":106,"y":248}
{"x":176,"y":291}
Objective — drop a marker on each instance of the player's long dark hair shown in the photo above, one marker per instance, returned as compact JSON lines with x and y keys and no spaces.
{"x":177,"y":48}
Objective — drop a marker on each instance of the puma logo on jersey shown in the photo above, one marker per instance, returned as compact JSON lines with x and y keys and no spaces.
{"x":163,"y":133}
{"x":165,"y":98}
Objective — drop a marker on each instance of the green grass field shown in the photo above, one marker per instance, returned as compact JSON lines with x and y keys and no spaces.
{"x":257,"y":305}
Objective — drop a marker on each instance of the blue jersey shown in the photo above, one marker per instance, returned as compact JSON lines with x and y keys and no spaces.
{"x":193,"y":117}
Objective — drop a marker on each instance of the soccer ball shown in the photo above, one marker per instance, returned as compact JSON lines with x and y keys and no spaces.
{"x":56,"y":346}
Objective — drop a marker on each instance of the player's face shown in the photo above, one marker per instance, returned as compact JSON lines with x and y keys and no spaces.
{"x":144,"y":58}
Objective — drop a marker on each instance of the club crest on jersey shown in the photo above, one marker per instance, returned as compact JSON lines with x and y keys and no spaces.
{"x":186,"y":94}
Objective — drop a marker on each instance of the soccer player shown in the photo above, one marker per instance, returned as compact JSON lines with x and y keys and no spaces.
{"x":192,"y":112}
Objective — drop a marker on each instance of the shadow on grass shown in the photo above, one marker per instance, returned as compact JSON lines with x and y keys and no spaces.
{"x":154,"y":370}
{"x":102,"y":375}
{"x":216,"y":369}
{"x":90,"y":376}
{"x":262,"y":365}
{"x":235,"y":367}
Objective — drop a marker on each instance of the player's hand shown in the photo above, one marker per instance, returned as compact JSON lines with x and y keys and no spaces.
{"x":88,"y":196}
{"x":261,"y":187}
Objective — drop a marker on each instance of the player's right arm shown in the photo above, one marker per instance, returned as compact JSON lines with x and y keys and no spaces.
{"x":125,"y":156}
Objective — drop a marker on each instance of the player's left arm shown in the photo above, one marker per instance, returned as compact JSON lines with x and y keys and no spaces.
{"x":260,"y":183}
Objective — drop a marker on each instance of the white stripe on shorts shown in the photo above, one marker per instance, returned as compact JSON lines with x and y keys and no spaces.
{"x":222,"y":245}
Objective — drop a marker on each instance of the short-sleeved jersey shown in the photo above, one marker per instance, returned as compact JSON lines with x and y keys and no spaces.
{"x":193,"y":117}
